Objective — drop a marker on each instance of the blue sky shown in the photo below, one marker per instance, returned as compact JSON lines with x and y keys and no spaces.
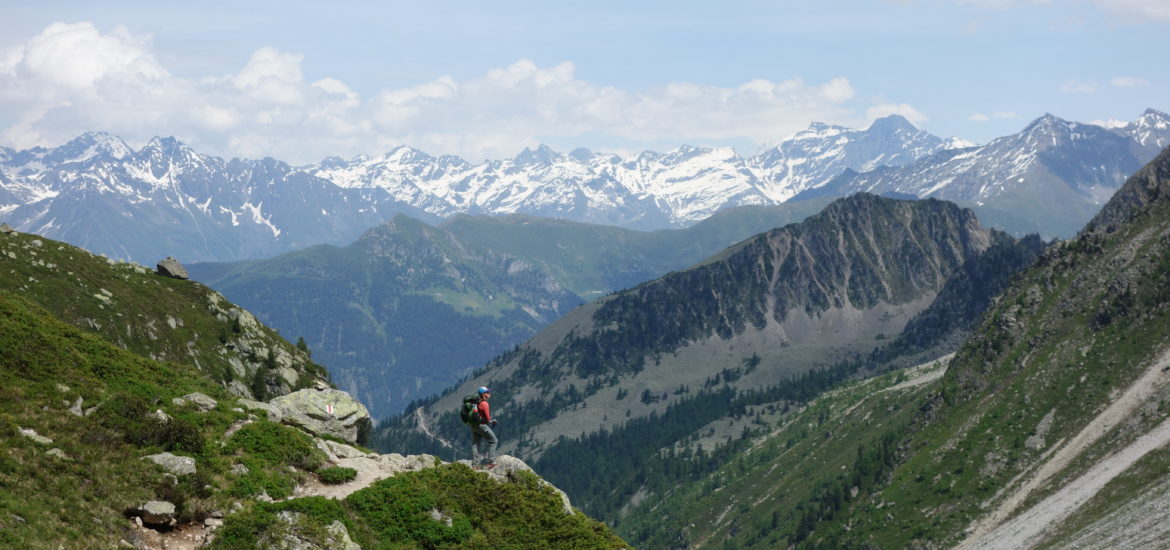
{"x":302,"y":80}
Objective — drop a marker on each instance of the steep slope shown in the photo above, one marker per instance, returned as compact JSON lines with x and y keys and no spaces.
{"x":408,"y":309}
{"x":153,"y":316}
{"x":1050,"y":424}
{"x":79,"y":419}
{"x":771,"y":320}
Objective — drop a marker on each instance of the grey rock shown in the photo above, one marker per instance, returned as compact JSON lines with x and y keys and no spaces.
{"x":76,"y":409}
{"x":6,"y":229}
{"x":273,"y":412}
{"x":337,"y":451}
{"x":213,"y":523}
{"x":33,"y":435}
{"x":263,"y":497}
{"x":239,"y":470}
{"x":201,"y":401}
{"x":171,"y":267}
{"x":440,"y":517}
{"x":326,"y":412}
{"x":159,"y":414}
{"x":218,"y":514}
{"x":291,"y":538}
{"x":158,"y":512}
{"x":57,"y":453}
{"x":178,"y":465}
{"x":62,"y":388}
{"x":504,"y":471}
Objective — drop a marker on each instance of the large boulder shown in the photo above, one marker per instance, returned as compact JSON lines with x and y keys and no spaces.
{"x":326,"y":412}
{"x":178,"y":465}
{"x":6,"y":229}
{"x":158,"y":512}
{"x":171,"y":267}
{"x":200,"y":401}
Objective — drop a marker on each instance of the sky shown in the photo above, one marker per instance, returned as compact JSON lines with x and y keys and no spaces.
{"x":303,"y":80}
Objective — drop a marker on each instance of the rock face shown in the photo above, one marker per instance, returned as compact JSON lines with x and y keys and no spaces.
{"x":171,"y":267}
{"x":326,"y":412}
{"x":178,"y":465}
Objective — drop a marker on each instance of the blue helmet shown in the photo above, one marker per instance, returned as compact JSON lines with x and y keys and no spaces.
{"x":484,"y":389}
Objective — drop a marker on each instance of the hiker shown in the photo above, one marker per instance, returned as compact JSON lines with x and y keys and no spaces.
{"x":481,"y":422}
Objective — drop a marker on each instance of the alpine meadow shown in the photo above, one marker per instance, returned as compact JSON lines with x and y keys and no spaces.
{"x":737,"y":276}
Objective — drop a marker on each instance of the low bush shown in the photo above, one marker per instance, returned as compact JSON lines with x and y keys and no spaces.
{"x":335,"y":475}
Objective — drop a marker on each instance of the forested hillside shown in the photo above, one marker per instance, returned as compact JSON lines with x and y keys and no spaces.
{"x":409,"y":308}
{"x":663,"y":383}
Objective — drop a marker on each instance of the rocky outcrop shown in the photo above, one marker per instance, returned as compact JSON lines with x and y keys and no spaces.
{"x":171,"y":267}
{"x":504,"y":471}
{"x":271,"y":411}
{"x":291,"y":537}
{"x":178,"y":465}
{"x":326,"y":412}
{"x":200,"y":401}
{"x":6,"y":229}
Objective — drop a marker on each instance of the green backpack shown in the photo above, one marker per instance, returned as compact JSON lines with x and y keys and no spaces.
{"x":470,"y":411}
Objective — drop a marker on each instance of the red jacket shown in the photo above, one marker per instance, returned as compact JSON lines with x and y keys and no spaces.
{"x":485,"y":414}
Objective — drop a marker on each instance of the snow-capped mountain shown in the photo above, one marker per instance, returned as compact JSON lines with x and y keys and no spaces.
{"x":1054,"y":174}
{"x":647,"y":191}
{"x":167,"y":199}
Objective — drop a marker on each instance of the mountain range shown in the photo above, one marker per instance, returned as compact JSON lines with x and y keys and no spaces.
{"x":167,"y":199}
{"x":1047,"y":427}
{"x":409,"y":308}
{"x":776,"y":318}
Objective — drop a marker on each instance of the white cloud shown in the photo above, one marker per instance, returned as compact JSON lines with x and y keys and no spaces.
{"x":1128,"y":81}
{"x":1073,"y":86}
{"x":1138,"y":10}
{"x":1110,"y":123}
{"x":72,"y":78}
{"x":979,"y":117}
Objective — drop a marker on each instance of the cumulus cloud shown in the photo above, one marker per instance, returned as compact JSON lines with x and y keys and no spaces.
{"x":72,"y":78}
{"x":1073,"y":86}
{"x":1128,"y":81}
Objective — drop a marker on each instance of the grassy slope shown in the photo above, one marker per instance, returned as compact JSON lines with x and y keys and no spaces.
{"x":79,"y":501}
{"x":760,"y":498}
{"x":152,"y":316}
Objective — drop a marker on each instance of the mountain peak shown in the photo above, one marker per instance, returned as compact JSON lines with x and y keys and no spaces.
{"x":91,"y":144}
{"x":890,"y":124}
{"x":542,"y":155}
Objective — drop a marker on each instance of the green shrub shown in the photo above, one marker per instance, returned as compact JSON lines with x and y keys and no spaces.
{"x":276,"y":445}
{"x":336,"y":475}
{"x":136,"y":420}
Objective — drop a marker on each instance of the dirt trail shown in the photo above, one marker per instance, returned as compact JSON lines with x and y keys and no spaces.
{"x":993,"y":532}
